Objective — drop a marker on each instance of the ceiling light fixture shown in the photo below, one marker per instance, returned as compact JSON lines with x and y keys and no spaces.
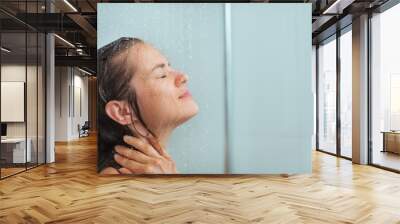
{"x":70,"y":5}
{"x":79,"y":51}
{"x":65,"y":41}
{"x":86,"y":72}
{"x":337,"y":7}
{"x":5,"y":50}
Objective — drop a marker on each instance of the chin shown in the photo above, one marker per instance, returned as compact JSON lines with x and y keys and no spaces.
{"x":190,"y":110}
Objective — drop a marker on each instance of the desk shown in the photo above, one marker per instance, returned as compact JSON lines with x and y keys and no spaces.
{"x":391,"y":141}
{"x":13,"y":150}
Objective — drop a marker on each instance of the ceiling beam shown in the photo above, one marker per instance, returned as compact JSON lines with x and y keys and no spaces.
{"x":81,"y":61}
{"x":337,"y":6}
{"x":89,"y":30}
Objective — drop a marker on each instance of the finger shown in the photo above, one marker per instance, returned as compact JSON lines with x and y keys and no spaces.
{"x":142,"y":146}
{"x":132,"y":154}
{"x":166,"y":155}
{"x":133,"y":166}
{"x":109,"y":170}
{"x":160,"y":149}
{"x":124,"y":170}
{"x":157,"y":146}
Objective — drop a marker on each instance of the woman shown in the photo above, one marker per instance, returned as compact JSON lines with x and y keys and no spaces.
{"x":142,"y":100}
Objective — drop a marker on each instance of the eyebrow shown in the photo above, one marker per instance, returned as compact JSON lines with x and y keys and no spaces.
{"x":162,"y":65}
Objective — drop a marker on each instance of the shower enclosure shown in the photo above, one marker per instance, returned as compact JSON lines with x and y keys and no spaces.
{"x":249,"y":68}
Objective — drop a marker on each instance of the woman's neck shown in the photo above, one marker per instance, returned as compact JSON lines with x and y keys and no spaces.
{"x":163,"y":136}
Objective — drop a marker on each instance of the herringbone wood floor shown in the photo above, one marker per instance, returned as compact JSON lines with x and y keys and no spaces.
{"x":70,"y":191}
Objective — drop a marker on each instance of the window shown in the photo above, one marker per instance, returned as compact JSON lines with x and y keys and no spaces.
{"x":327,"y":96}
{"x":385,"y":88}
{"x":346,"y":93}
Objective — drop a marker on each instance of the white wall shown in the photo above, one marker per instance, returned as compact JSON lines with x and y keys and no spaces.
{"x":79,"y":117}
{"x":67,"y":115}
{"x":61,"y":103}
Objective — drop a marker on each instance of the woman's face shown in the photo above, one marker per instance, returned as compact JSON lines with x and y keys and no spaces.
{"x":162,"y":93}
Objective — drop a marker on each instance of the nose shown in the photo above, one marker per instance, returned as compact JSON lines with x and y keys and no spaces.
{"x":181,"y":79}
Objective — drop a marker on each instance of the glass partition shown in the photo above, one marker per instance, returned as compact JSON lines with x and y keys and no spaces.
{"x":13,"y":95}
{"x":31,"y":98}
{"x":22,"y":90}
{"x":41,"y":91}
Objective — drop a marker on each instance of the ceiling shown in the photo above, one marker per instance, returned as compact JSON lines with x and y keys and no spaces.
{"x":76,"y":22}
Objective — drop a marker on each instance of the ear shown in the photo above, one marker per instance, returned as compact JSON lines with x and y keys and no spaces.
{"x":119,"y":111}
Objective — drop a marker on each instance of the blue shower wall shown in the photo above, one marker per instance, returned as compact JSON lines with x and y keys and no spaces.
{"x":269,"y":76}
{"x":272,"y":103}
{"x":192,"y":38}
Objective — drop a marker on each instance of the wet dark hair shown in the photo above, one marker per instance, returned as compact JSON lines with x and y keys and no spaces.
{"x":114,"y":77}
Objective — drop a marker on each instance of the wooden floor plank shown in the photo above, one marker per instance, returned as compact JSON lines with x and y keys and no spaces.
{"x":70,"y":191}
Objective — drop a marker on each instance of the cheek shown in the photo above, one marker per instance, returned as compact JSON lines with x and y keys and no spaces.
{"x":157,"y":99}
{"x":158,"y":92}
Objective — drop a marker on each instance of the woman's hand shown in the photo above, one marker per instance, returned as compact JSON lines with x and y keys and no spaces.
{"x":143,"y":159}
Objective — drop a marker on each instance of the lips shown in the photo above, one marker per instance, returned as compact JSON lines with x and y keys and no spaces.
{"x":185,"y":94}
